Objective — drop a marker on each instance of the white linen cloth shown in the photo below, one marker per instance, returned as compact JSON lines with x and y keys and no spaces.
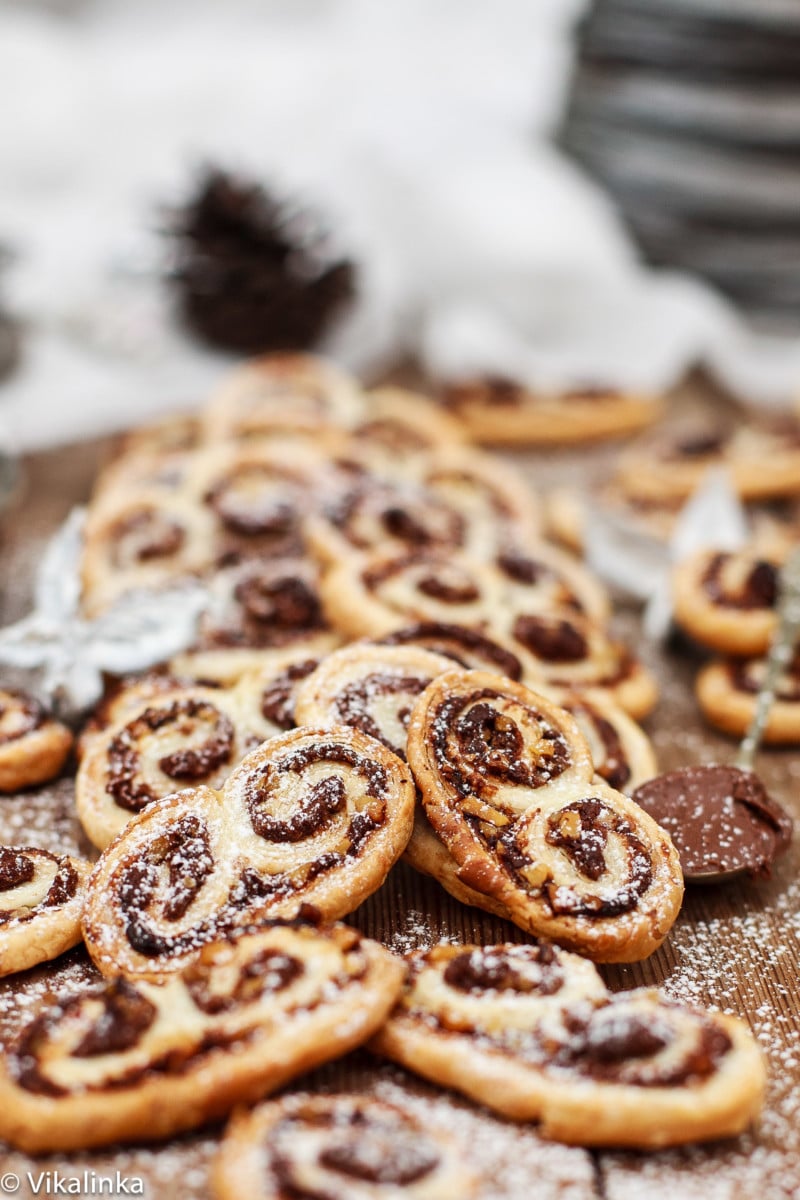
{"x":417,"y":126}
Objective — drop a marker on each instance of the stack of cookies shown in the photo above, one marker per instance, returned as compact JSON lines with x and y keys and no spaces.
{"x":392,"y":664}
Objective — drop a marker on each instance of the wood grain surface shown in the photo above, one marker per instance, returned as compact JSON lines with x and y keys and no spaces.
{"x":736,"y":947}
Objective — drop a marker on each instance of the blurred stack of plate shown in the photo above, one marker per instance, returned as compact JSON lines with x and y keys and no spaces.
{"x":688,"y":111}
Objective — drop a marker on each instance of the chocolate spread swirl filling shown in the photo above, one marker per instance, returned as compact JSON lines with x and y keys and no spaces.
{"x":352,"y":704}
{"x":253,"y":500}
{"x":492,"y":968}
{"x":581,"y":831}
{"x":18,"y":867}
{"x":266,"y":973}
{"x":465,"y":646}
{"x":322,"y":802}
{"x":144,"y":536}
{"x":274,"y":606}
{"x":277,"y":700}
{"x":489,"y":746}
{"x":744,"y":679}
{"x":188,"y":765}
{"x":621,"y":1046}
{"x":185,"y":852}
{"x":551,"y":638}
{"x":29,"y":714}
{"x":614,"y":767}
{"x":419,"y":520}
{"x":443,"y":580}
{"x":363,"y":1148}
{"x":759,"y":589}
{"x":124,"y":1017}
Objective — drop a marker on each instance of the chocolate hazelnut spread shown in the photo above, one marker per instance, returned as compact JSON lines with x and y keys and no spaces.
{"x":362,"y":1147}
{"x":256,"y":499}
{"x":190,"y":764}
{"x":352,"y":704}
{"x":321,"y":801}
{"x":525,"y":969}
{"x":125,"y":1015}
{"x":616,"y":1044}
{"x":16,"y":868}
{"x":720,"y":818}
{"x":758,"y":590}
{"x":145,"y":535}
{"x":581,"y":831}
{"x":19,"y":714}
{"x":614,"y":766}
{"x":449,"y":590}
{"x":746,"y":676}
{"x":465,"y":646}
{"x":551,"y":638}
{"x":287,"y":601}
{"x":268,"y":972}
{"x":489,"y":744}
{"x":277,"y":701}
{"x":186,"y":853}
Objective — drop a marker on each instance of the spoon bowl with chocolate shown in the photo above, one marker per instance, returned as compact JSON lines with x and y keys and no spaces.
{"x":722,"y":820}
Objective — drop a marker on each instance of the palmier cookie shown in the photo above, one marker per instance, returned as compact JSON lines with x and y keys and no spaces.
{"x":495,"y":503}
{"x":564,"y":650}
{"x":727,"y":600}
{"x":131,"y":1061}
{"x":541,"y":577}
{"x":143,"y":543}
{"x":312,"y":820}
{"x":123,"y":698}
{"x":33,"y":747}
{"x":372,"y":688}
{"x":282,"y":392}
{"x":622,"y":752}
{"x":727,"y":689}
{"x":502,"y":412}
{"x":364,"y":514}
{"x":41,"y":897}
{"x":386,"y":592}
{"x":256,"y":608}
{"x":338,"y":1147}
{"x":532,"y":1032}
{"x":183,"y":738}
{"x":762,"y":459}
{"x":507,"y":783}
{"x":468,"y":647}
{"x":397,"y":427}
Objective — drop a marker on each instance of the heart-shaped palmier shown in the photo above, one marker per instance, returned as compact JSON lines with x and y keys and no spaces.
{"x":508,"y":784}
{"x":532,"y":1032}
{"x":312,"y":820}
{"x":340,"y":1148}
{"x":137,"y":1061}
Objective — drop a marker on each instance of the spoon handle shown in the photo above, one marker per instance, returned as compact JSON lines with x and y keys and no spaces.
{"x":780,"y":655}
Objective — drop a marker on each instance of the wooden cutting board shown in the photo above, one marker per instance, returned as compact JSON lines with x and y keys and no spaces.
{"x":735,"y":947}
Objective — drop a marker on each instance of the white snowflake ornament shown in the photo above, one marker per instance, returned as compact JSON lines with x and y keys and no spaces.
{"x":142,"y":629}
